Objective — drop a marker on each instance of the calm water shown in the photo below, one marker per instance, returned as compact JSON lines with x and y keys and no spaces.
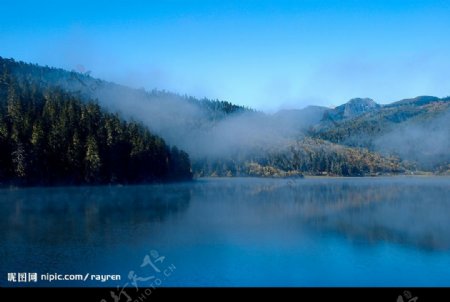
{"x":233,"y":232}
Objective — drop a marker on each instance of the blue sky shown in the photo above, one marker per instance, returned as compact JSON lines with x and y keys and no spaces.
{"x":264,"y":54}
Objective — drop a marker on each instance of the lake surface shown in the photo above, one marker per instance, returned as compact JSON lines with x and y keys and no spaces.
{"x":232,"y":232}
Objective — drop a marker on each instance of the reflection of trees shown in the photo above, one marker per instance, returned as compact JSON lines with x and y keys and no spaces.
{"x":406,"y":211}
{"x":410,"y":214}
{"x":72,"y":214}
{"x":406,"y":214}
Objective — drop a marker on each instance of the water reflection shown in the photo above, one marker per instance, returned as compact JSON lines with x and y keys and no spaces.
{"x":58,"y":215}
{"x":244,"y":231}
{"x":409,"y":211}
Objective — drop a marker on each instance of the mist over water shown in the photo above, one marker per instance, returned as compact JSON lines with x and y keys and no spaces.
{"x":236,"y":231}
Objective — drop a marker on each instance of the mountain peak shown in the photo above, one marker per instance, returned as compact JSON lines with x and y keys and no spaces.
{"x":352,"y":108}
{"x":367,"y":101}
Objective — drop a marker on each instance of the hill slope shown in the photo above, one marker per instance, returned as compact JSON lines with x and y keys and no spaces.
{"x":416,"y":130}
{"x":48,"y":136}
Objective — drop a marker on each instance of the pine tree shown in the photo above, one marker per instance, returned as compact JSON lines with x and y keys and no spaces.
{"x":92,"y":161}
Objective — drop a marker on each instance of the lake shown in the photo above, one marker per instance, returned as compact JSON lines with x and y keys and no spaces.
{"x":231,"y":232}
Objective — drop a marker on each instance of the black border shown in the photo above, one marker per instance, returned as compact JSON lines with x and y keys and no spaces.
{"x":379,"y":294}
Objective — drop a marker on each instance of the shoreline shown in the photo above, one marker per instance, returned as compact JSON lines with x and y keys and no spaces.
{"x":194,"y":179}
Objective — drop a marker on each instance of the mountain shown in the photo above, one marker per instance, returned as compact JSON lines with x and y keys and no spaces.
{"x":358,"y":138}
{"x":353,"y":108}
{"x":416,"y":130}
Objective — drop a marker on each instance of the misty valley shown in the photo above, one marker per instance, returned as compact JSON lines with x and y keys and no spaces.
{"x":99,"y":179}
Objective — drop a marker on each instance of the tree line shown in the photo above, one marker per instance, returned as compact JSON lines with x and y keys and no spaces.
{"x":48,"y":136}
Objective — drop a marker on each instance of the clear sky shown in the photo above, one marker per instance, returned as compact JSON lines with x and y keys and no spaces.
{"x":264,"y":54}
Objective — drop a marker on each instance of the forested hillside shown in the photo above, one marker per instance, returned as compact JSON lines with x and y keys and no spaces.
{"x":48,"y":136}
{"x":417,"y":130}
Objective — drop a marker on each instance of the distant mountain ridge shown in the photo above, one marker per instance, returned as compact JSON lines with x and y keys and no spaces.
{"x":417,"y":101}
{"x":357,"y":138}
{"x":415,"y":129}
